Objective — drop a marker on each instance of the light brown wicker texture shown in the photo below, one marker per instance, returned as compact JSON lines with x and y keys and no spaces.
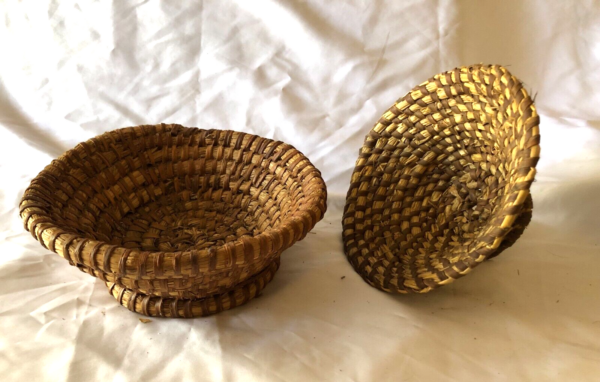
{"x":442,"y":179}
{"x":179,"y":222}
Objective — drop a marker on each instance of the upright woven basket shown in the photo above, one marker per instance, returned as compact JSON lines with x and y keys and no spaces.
{"x":179,"y":222}
{"x":442,"y":181}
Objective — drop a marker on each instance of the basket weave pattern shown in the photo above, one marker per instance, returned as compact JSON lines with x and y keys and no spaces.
{"x":179,"y":222}
{"x":442,"y":179}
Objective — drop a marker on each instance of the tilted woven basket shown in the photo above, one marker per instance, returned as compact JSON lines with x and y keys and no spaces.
{"x":179,"y":222}
{"x":442,"y":181}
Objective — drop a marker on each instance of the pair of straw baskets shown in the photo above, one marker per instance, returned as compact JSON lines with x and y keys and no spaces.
{"x":185,"y":222}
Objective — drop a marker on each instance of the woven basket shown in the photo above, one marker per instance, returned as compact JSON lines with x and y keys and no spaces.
{"x":442,"y":181}
{"x":179,"y":222}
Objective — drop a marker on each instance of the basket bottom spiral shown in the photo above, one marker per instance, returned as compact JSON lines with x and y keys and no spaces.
{"x":172,"y":307}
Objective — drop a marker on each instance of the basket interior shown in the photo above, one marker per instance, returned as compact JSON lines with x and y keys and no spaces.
{"x":442,"y":203}
{"x":167,"y":188}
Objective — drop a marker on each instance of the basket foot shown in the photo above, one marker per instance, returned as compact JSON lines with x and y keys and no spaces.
{"x":172,"y":307}
{"x":518,"y":228}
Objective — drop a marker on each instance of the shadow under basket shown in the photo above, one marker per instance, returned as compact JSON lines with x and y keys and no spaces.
{"x":178,"y":222}
{"x":442,"y":181}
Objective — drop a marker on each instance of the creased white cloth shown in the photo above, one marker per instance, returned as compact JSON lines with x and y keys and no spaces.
{"x":317,"y":75}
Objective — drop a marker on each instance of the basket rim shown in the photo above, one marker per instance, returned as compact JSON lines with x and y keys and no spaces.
{"x":480,"y":251}
{"x":266,"y":243}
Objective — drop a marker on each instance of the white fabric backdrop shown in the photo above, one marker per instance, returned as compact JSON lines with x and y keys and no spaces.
{"x":316,"y":75}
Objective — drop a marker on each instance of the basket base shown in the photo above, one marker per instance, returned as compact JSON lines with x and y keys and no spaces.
{"x":172,"y":307}
{"x":518,"y":228}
